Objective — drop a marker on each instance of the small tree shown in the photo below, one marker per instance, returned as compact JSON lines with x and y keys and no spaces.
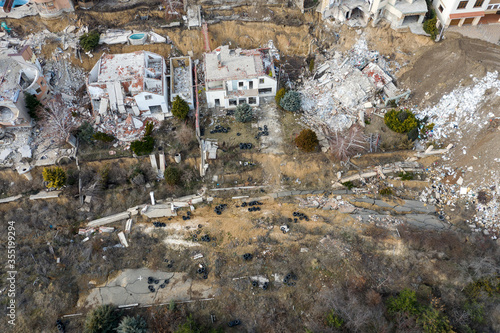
{"x":291,"y":101}
{"x":85,"y":132}
{"x":307,"y":140}
{"x":55,"y":177}
{"x":172,"y":175}
{"x":132,"y":325}
{"x":279,"y":96}
{"x":180,"y":108}
{"x":89,"y":41}
{"x":347,"y":143}
{"x":243,"y":113}
{"x":103,"y":137}
{"x":401,"y":121}
{"x":32,"y":104}
{"x":149,"y":128}
{"x":101,"y":320}
{"x":144,"y":146}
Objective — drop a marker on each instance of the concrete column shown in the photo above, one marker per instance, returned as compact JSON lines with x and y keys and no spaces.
{"x":461,"y":22}
{"x":421,"y":19}
{"x":476,"y":20}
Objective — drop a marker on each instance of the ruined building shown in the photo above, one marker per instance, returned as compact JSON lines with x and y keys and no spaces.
{"x":129,"y":84}
{"x":238,"y":76}
{"x":400,"y":13}
{"x":19,"y":73}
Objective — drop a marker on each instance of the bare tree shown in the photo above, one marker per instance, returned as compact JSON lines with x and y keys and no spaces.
{"x":347,"y":143}
{"x":173,"y":9}
{"x":56,"y":121}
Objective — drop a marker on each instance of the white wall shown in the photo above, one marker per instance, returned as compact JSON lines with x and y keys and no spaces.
{"x":144,"y":103}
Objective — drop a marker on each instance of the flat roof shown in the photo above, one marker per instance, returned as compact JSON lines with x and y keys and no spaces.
{"x":226,"y":64}
{"x":122,"y":67}
{"x":9,"y":78}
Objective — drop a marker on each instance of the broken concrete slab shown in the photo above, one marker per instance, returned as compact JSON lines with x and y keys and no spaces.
{"x":10,"y":199}
{"x":159,"y":210}
{"x":109,"y":219}
{"x":45,"y":195}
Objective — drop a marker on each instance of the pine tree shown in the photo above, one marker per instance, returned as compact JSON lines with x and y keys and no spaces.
{"x":291,"y":101}
{"x":132,"y":325}
{"x":180,"y":108}
{"x":55,"y":177}
{"x":243,"y":113}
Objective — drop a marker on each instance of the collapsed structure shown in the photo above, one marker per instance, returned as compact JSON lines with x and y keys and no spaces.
{"x":181,"y":80}
{"x":343,"y":87}
{"x":234,"y":77}
{"x":45,"y":8}
{"x":19,"y":73}
{"x":129,"y":84}
{"x":359,"y":12}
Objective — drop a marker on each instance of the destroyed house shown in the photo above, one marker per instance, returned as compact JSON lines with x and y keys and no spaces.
{"x":181,"y":80}
{"x":234,"y":77}
{"x":19,"y":73}
{"x":129,"y":84}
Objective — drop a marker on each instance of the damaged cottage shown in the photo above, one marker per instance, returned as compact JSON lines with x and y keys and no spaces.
{"x":131,"y":87}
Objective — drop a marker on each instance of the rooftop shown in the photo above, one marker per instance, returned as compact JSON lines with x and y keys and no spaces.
{"x":122,"y":67}
{"x":226,"y":64}
{"x":9,"y":78}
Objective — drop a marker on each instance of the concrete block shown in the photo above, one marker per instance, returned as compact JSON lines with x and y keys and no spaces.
{"x":45,"y":195}
{"x":10,"y":199}
{"x":109,"y":219}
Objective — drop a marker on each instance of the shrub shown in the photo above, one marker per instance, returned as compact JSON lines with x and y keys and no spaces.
{"x":101,"y":320}
{"x":56,"y":177}
{"x":431,"y":28}
{"x":385,"y":191}
{"x":104,"y":137}
{"x":279,"y":96}
{"x":307,"y":140}
{"x":406,"y":302}
{"x":144,"y":146}
{"x":149,"y":128}
{"x":132,"y":325}
{"x":172,"y":175}
{"x":291,"y":101}
{"x":89,"y":41}
{"x":180,"y":108}
{"x":401,"y":121}
{"x":85,"y":132}
{"x":348,"y":184}
{"x":311,"y":65}
{"x":333,"y":320}
{"x":406,"y":175}
{"x":243,"y":113}
{"x":32,"y":104}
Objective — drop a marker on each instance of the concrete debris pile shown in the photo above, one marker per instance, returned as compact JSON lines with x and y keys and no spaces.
{"x":448,"y":190}
{"x":459,"y":109}
{"x":15,"y":144}
{"x":182,"y":81}
{"x":327,"y":203}
{"x":344,"y":86}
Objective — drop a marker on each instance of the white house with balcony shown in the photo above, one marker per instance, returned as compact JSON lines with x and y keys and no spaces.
{"x":467,"y":12}
{"x":236,"y":76}
{"x":129,"y":83}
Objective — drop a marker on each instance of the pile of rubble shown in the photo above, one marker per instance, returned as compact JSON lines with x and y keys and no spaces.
{"x":447,"y":189}
{"x":459,"y":109}
{"x":327,"y":203}
{"x":344,"y":86}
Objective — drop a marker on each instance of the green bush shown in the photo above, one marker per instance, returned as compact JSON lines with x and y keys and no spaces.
{"x":89,"y":41}
{"x":172,"y":176}
{"x":56,"y":177}
{"x":291,"y":101}
{"x":406,"y":175}
{"x":243,"y":113}
{"x":102,"y":319}
{"x":149,"y":128}
{"x":333,"y":320}
{"x":132,"y":325}
{"x":311,"y":65}
{"x":104,"y":137}
{"x":349,"y":185}
{"x":405,"y":302}
{"x":180,"y":108}
{"x":431,"y":28}
{"x":401,"y":121}
{"x":144,"y":146}
{"x":85,"y":132}
{"x":279,"y":96}
{"x":32,"y":104}
{"x":307,"y":140}
{"x":385,"y":191}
